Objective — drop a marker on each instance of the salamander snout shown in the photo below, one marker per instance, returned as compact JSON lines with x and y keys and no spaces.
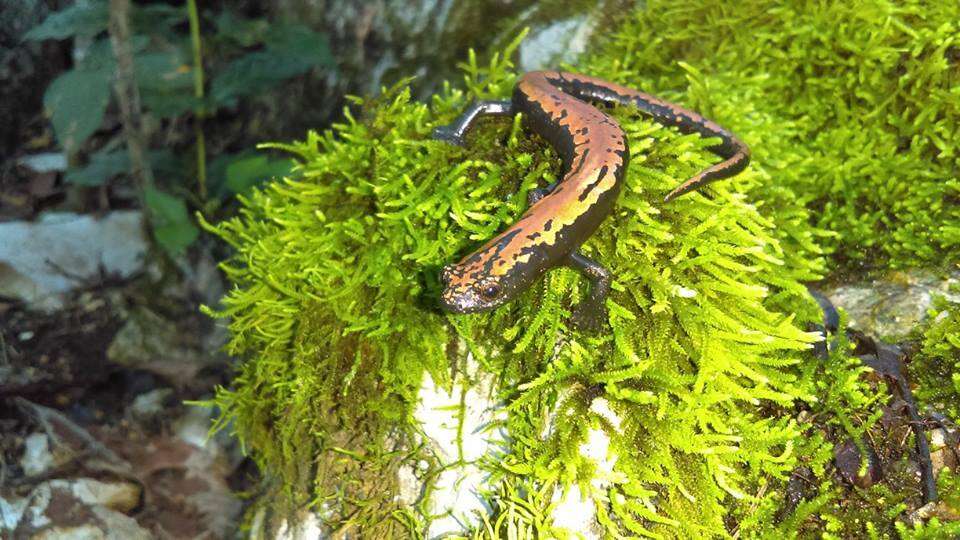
{"x":464,"y":295}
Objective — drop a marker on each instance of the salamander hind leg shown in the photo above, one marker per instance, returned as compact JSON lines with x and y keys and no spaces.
{"x":591,"y":314}
{"x":455,"y":132}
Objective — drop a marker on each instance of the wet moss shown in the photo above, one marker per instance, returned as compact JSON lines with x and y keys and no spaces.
{"x":935,"y":368}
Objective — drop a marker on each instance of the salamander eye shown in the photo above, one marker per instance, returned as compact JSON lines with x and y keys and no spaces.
{"x":490,"y":291}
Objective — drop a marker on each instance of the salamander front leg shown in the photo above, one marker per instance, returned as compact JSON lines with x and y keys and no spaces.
{"x":535,"y":194}
{"x":591,"y":314}
{"x":454,"y":132}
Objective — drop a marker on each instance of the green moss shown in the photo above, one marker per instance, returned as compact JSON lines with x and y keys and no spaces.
{"x":706,"y":360}
{"x":936,"y":367}
{"x":948,"y":486}
{"x":852,"y":110}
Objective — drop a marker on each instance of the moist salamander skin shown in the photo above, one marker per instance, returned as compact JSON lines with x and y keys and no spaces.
{"x":558,"y":106}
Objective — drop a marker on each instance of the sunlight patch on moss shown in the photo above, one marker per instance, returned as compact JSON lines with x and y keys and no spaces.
{"x":852,"y":110}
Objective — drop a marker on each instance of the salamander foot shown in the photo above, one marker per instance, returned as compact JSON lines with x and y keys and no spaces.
{"x":588,"y":317}
{"x":454,"y":132}
{"x":448,"y":134}
{"x":591,"y":314}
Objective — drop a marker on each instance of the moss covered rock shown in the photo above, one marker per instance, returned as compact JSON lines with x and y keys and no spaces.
{"x":852,"y":110}
{"x":692,"y":393}
{"x":936,"y":367}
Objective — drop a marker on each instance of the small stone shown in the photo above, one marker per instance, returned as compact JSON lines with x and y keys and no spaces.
{"x":153,"y":343}
{"x":80,"y":509}
{"x":149,"y":405}
{"x":848,"y":461}
{"x":938,"y":510}
{"x":306,"y":526}
{"x":119,"y":496}
{"x":45,"y":162}
{"x":37,"y":458}
{"x":944,"y":450}
{"x":11,"y":510}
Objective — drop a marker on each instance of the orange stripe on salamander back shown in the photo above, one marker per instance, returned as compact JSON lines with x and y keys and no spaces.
{"x":593,"y":162}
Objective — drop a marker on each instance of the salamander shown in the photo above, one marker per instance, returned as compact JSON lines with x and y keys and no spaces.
{"x":558,"y":106}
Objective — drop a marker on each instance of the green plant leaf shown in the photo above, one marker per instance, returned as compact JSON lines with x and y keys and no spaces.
{"x":102,"y":167}
{"x":166,"y":83}
{"x":295,"y":40}
{"x":154,"y":17}
{"x":245,"y":32}
{"x":176,"y":237}
{"x":81,"y":19}
{"x":164,"y":104}
{"x":164,"y":71}
{"x":99,"y":55}
{"x":172,"y":228}
{"x":254,"y":73}
{"x":246,"y":172}
{"x":76,"y":102}
{"x":168,"y":166}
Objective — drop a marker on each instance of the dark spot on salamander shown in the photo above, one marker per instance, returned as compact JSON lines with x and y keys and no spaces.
{"x":600,"y":177}
{"x":548,"y":225}
{"x":533,"y":236}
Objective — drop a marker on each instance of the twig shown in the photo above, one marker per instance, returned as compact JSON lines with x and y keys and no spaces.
{"x":59,"y":428}
{"x":128,"y":97}
{"x":4,"y":359}
{"x":198,"y":93}
{"x":887,"y":360}
{"x":927,"y":477}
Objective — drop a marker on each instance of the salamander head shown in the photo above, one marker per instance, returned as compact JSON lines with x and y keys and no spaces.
{"x":464,"y":293}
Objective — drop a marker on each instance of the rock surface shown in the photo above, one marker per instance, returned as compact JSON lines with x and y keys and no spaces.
{"x":42,"y":260}
{"x":83,"y":508}
{"x":456,"y":494}
{"x":890,"y":307}
{"x":380,"y":42}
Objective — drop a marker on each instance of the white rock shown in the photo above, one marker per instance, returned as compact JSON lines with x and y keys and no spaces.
{"x":601,"y":407}
{"x":575,"y":512}
{"x":43,"y":259}
{"x":77,"y":509}
{"x":561,"y":41}
{"x":37,"y":458}
{"x":11,"y":510}
{"x":149,"y":405}
{"x":119,"y":496}
{"x":458,"y":496}
{"x":410,"y":486}
{"x":307,"y":526}
{"x":456,"y":492}
{"x":45,"y":162}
